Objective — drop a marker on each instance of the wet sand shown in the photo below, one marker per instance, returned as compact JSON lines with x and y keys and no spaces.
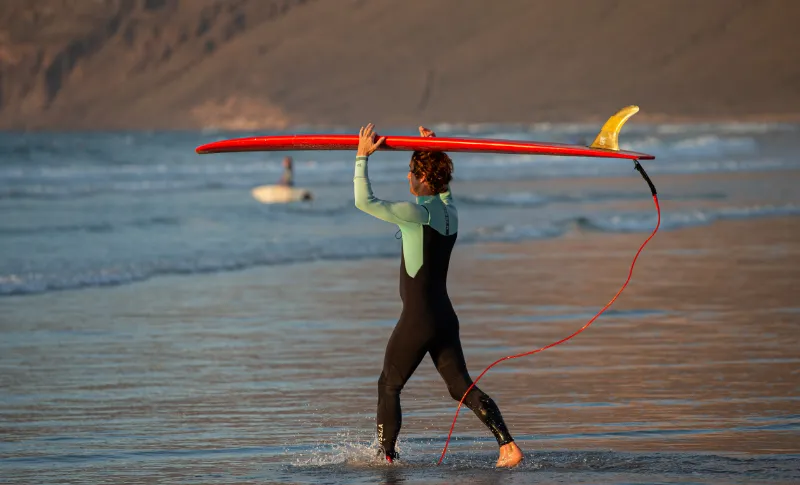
{"x":696,"y":354}
{"x":269,"y":374}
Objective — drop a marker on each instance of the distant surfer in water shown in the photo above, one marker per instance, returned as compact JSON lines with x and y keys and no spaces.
{"x":287,"y":179}
{"x":284,"y":191}
{"x":428,"y":322}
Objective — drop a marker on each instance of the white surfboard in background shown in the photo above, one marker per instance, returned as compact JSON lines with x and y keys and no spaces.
{"x":280,"y":194}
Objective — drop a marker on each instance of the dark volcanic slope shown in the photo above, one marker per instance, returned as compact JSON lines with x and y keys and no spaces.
{"x":68,"y":64}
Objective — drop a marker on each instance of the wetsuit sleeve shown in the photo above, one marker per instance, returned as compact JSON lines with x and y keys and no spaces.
{"x":394,"y":212}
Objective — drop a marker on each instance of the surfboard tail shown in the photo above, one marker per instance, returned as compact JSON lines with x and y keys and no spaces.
{"x":608,"y":138}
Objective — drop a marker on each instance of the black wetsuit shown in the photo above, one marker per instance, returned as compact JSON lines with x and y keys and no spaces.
{"x":428,"y":323}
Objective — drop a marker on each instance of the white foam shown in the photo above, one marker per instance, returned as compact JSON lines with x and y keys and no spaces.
{"x":641,"y":222}
{"x":347,"y":449}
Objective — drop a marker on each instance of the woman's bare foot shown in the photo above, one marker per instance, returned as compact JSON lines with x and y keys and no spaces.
{"x":510,"y":455}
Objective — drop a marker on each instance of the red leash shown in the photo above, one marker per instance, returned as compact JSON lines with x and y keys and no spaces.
{"x":630,"y":273}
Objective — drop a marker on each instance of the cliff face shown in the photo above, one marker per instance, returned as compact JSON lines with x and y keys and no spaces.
{"x":154,"y":64}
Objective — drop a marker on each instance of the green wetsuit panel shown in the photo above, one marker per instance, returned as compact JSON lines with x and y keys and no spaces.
{"x":437,"y":211}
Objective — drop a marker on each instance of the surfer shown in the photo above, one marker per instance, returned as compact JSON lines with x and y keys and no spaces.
{"x":428,"y":322}
{"x":283,"y":191}
{"x":287,"y":179}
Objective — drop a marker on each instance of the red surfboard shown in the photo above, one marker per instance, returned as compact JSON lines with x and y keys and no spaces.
{"x":604,"y":146}
{"x":412,"y":143}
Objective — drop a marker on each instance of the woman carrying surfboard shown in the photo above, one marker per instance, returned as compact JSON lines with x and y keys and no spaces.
{"x":428,"y":322}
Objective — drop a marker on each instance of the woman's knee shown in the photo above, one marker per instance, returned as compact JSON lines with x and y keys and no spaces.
{"x":389,"y":385}
{"x":459,"y":388}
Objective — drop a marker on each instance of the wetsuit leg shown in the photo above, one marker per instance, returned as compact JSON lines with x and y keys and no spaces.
{"x":449,"y":360}
{"x":405,"y":350}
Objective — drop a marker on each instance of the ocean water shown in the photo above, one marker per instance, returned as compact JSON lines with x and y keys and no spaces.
{"x":95,"y":209}
{"x":158,"y":325}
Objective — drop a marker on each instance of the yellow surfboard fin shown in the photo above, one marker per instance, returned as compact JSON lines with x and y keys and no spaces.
{"x":609,"y":133}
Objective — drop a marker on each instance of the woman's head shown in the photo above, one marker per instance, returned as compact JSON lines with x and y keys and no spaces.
{"x":429,"y":173}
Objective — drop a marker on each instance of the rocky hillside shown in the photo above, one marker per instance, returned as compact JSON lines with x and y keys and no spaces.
{"x":183,"y":64}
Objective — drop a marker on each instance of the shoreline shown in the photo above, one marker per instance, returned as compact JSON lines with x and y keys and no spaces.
{"x":695,"y":355}
{"x":696,"y":362}
{"x":471,"y":250}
